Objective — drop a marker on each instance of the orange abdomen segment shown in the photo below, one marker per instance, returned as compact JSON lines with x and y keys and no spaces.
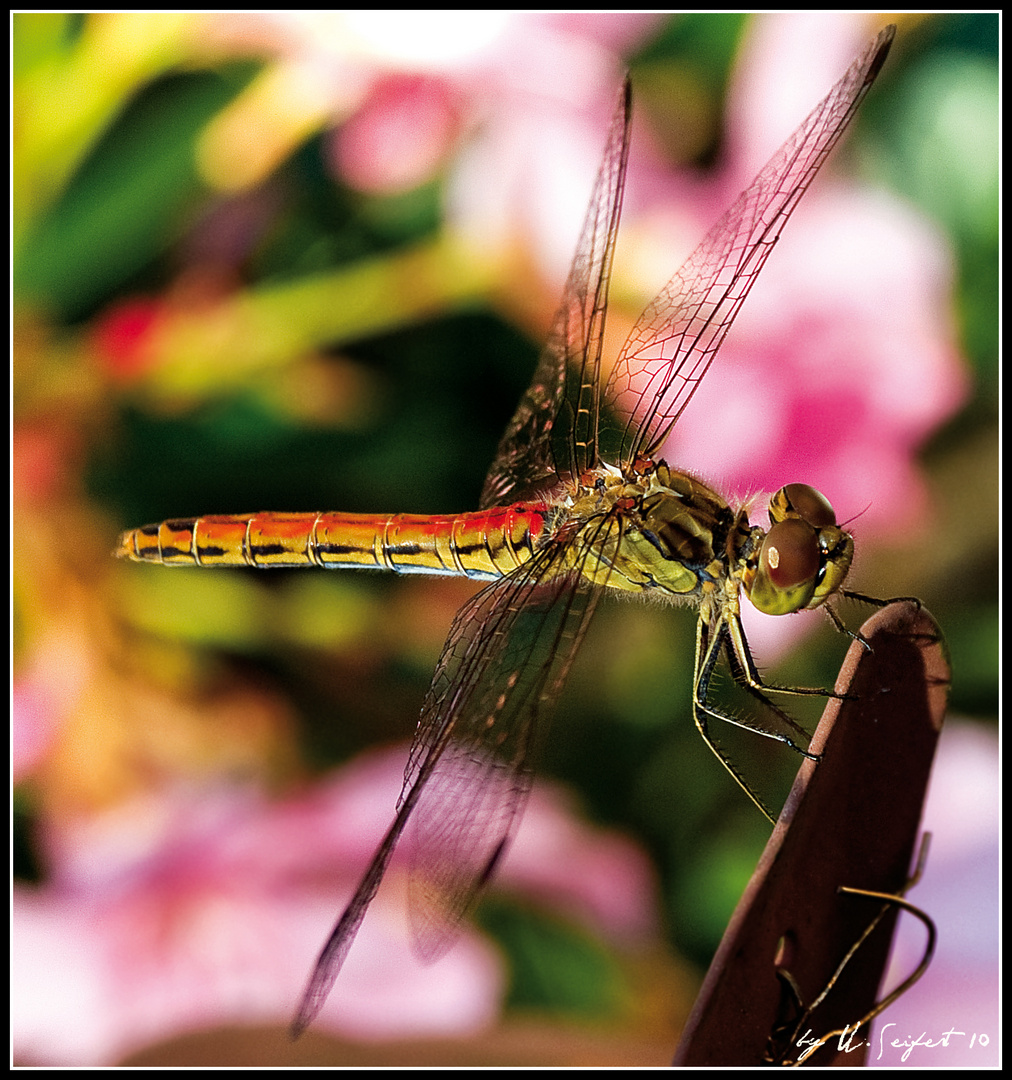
{"x":483,"y":544}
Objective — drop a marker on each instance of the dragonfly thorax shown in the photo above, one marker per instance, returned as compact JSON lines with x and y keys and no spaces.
{"x":657,"y":529}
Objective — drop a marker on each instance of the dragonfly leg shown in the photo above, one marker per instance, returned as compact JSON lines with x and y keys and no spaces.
{"x":747,"y":675}
{"x":707,"y":653}
{"x":876,"y":601}
{"x":839,"y":625}
{"x":873,"y":601}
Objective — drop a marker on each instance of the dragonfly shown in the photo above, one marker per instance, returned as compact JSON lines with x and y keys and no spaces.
{"x":577,"y":501}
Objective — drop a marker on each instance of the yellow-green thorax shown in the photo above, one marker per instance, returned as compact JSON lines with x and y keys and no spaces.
{"x":655,"y":529}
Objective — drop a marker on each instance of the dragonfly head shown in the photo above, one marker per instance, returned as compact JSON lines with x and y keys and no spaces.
{"x":805,"y":556}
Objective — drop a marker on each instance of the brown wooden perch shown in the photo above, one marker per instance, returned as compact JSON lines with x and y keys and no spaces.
{"x":851,"y":820}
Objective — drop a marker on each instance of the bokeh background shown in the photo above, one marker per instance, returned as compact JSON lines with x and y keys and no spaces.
{"x":304,"y":262}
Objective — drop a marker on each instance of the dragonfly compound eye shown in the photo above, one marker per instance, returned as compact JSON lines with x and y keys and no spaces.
{"x":804,"y":502}
{"x":789,"y":568}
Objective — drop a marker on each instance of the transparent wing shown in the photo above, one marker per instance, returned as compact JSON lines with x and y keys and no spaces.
{"x":507,"y":655}
{"x":553,"y":433}
{"x":469,"y":769}
{"x":676,"y":338}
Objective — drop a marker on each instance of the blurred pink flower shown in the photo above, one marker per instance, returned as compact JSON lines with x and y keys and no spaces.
{"x":399,"y":88}
{"x":839,"y":366}
{"x":43,"y":695}
{"x":35,"y":721}
{"x":194,"y":909}
{"x":514,"y":66}
{"x":597,"y":877}
{"x":400,"y":135}
{"x":844,"y":358}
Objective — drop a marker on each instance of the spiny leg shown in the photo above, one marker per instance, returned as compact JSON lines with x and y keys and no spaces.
{"x":729,"y":637}
{"x":746,"y":674}
{"x":875,"y":601}
{"x":707,"y":652}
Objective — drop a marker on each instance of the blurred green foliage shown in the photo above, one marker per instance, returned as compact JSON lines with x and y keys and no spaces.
{"x":126,"y":204}
{"x":556,"y":967}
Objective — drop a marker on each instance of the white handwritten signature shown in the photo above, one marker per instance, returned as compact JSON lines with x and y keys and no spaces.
{"x":847,"y":1041}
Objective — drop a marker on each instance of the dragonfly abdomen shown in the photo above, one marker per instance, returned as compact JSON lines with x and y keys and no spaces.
{"x":485,"y":544}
